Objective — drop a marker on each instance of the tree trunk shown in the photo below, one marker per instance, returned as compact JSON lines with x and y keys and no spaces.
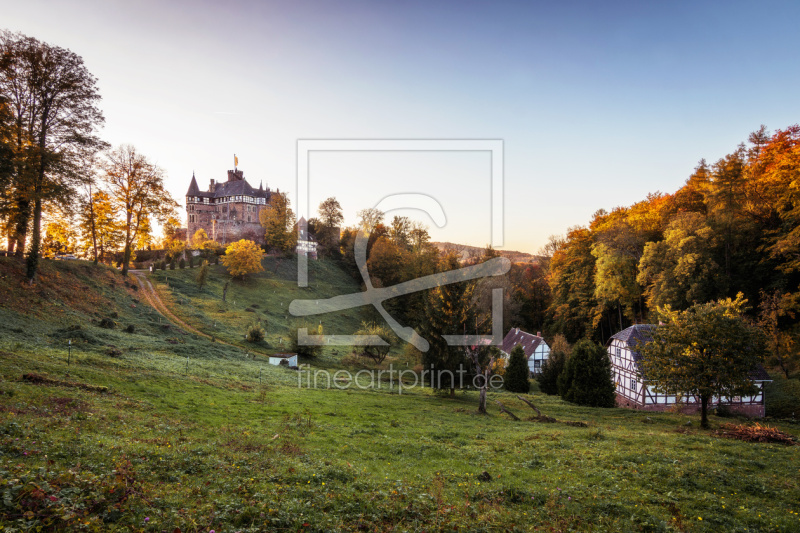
{"x":482,"y":399}
{"x":225,"y":291}
{"x":704,"y":411}
{"x":36,"y":238}
{"x":94,"y":230}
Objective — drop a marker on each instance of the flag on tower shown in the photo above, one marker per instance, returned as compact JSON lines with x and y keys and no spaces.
{"x":235,"y":161}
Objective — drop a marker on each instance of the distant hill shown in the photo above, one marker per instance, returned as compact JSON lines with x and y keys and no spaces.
{"x":466,"y":252}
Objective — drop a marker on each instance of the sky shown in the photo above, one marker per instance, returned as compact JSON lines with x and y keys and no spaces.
{"x":597,"y":104}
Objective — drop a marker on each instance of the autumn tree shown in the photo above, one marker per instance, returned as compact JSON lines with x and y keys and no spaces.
{"x":199,"y":238}
{"x":706,"y":351}
{"x":99,"y":226}
{"x":243,"y":257}
{"x":53,"y":101}
{"x":369,"y":219}
{"x":136,"y":188}
{"x":484,"y":362}
{"x":572,"y":274}
{"x":202,"y":275}
{"x":681,"y":269}
{"x":781,"y":344}
{"x":60,"y":236}
{"x":278,"y":221}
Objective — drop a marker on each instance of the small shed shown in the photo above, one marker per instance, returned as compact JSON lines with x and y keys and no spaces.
{"x":285,"y":359}
{"x":536,"y":349}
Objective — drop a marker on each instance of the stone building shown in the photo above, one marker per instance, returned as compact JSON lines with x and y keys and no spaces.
{"x":227,"y":211}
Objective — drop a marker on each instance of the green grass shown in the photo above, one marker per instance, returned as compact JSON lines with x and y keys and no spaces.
{"x":212,"y":448}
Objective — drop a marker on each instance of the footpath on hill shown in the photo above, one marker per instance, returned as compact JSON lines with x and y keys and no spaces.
{"x":155,"y":301}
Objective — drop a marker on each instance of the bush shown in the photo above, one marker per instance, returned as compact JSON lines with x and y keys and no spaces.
{"x":782,"y":398}
{"x":191,"y":260}
{"x":516,"y":376}
{"x":172,"y":264}
{"x":162,"y":265}
{"x":255,"y":333}
{"x":130,"y":329}
{"x":107,"y":323}
{"x":551,"y":369}
{"x":182,"y":263}
{"x":301,"y":349}
{"x":586,"y":379}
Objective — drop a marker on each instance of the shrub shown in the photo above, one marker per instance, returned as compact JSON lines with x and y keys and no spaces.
{"x":107,"y":323}
{"x":172,"y":264}
{"x":255,"y":333}
{"x":162,"y":265}
{"x":516,"y":376}
{"x":586,"y":379}
{"x":302,"y":349}
{"x":191,"y":260}
{"x":130,"y":329}
{"x":782,"y":398}
{"x":202,"y":275}
{"x":182,"y":263}
{"x":551,"y":369}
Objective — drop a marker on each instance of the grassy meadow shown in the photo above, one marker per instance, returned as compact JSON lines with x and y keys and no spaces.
{"x":151,"y":428}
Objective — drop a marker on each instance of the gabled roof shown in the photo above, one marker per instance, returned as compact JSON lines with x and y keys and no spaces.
{"x":516,"y":336}
{"x":643,"y":333}
{"x":632,"y":336}
{"x":235,"y":186}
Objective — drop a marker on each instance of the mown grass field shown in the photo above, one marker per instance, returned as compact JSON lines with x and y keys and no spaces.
{"x":209,"y":447}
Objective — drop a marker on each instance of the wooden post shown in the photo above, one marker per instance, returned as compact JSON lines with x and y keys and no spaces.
{"x":69,"y":352}
{"x":506,"y":411}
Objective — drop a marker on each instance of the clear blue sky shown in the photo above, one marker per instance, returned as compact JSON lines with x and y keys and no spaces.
{"x":598,"y":103}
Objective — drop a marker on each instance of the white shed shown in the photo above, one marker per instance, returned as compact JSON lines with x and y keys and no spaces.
{"x":287,"y":359}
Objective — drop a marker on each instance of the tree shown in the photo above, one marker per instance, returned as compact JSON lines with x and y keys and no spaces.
{"x":707,"y":350}
{"x":373,"y":351}
{"x":554,"y":365}
{"x":448,"y":311}
{"x":199,"y":238}
{"x":587,"y":378}
{"x":369,"y":219}
{"x":517,"y":372}
{"x":100,"y":228}
{"x":136,"y":187}
{"x":170,"y":229}
{"x":242,"y":258}
{"x":202,"y":275}
{"x":60,"y":237}
{"x":484,"y":359}
{"x":278,"y":221}
{"x":53,"y":101}
{"x":571,"y":278}
{"x":681,"y":269}
{"x":330,"y":219}
{"x":781,"y":345}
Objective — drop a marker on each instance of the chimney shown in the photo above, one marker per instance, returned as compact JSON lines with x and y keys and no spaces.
{"x":211,"y":187}
{"x":538,"y":333}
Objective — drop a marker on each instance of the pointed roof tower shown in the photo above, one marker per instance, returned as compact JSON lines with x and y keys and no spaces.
{"x":194,"y":190}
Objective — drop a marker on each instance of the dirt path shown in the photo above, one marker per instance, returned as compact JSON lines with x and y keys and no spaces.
{"x":155,"y":301}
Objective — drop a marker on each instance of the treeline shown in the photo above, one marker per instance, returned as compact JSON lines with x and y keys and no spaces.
{"x":61,"y":186}
{"x":733,"y":227}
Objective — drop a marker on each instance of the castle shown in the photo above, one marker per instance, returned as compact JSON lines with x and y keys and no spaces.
{"x":228,"y":211}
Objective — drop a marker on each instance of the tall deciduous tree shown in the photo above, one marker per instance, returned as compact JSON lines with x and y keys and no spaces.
{"x":278,"y":221}
{"x":136,"y":187}
{"x":100,"y":228}
{"x":707,"y":350}
{"x":330,"y":219}
{"x":53,"y":101}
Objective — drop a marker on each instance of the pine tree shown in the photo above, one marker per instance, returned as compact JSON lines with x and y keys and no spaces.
{"x":586,"y":379}
{"x":551,"y":370}
{"x":516,"y":376}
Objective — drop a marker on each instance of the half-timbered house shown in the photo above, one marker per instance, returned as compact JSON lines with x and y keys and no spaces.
{"x":536,"y":349}
{"x":633,"y":390}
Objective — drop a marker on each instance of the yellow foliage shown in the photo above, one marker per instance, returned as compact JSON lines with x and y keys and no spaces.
{"x":243,"y":257}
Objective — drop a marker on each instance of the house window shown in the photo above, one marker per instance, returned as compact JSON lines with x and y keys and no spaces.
{"x":617,"y":350}
{"x":537,"y":365}
{"x":633,"y":384}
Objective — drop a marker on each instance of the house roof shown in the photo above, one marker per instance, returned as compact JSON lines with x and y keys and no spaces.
{"x":643,"y":333}
{"x":516,"y":336}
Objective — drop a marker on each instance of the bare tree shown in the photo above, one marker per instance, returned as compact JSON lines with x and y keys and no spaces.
{"x":137,"y":187}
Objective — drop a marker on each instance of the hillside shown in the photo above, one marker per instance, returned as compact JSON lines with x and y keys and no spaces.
{"x":130,"y":437}
{"x":466,"y":252}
